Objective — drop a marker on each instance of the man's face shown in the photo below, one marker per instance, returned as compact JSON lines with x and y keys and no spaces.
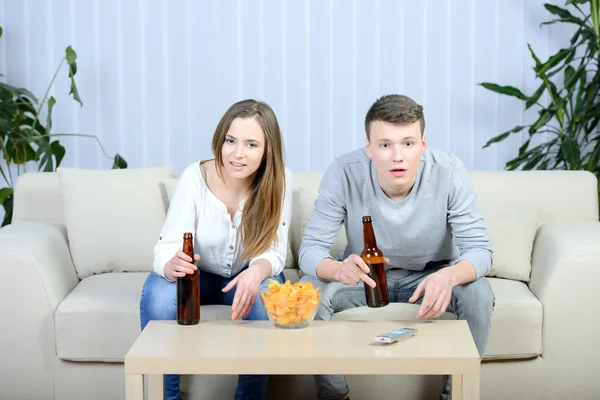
{"x":396,"y":151}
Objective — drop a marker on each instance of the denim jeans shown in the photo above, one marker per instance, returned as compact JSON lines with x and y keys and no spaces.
{"x":473,"y":302}
{"x":159,"y":302}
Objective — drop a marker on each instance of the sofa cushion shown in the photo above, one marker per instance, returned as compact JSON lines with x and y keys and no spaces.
{"x":512,"y":231}
{"x":113,"y":217}
{"x":100,"y":319}
{"x":516,"y":323}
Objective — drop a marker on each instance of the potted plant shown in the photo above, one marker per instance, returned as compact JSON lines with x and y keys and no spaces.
{"x":24,"y":138}
{"x":571,"y":77}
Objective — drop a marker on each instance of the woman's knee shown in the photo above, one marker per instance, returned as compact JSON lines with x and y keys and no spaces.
{"x":257,"y":312}
{"x":158,"y":301}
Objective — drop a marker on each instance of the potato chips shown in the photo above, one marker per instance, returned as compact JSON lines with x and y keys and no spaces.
{"x":291,"y":305}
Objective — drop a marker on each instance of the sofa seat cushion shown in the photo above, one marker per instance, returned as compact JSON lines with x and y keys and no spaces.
{"x":516,"y":323}
{"x":100,"y":319}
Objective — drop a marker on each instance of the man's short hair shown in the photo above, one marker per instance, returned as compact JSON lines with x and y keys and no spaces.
{"x":395,"y":109}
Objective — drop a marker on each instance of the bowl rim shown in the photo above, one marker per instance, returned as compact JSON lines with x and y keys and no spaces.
{"x":318,"y":289}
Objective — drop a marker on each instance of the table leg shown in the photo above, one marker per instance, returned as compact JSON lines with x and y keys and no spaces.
{"x":456,"y":387}
{"x":470,"y":387}
{"x":156,"y":387}
{"x":134,"y":387}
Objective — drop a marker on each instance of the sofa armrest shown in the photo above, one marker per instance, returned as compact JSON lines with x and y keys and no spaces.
{"x":36,"y":273}
{"x":565,"y":276}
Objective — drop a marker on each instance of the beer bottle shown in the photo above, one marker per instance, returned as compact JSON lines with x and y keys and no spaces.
{"x":188,"y":289}
{"x":373,"y":257}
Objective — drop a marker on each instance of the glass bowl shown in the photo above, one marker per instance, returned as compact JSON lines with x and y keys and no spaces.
{"x":291,"y":310}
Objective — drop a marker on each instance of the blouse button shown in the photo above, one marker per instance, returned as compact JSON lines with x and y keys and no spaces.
{"x":232,"y":226}
{"x":230,"y":247}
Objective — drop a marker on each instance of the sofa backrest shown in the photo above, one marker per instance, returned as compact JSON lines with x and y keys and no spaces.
{"x":554,"y":195}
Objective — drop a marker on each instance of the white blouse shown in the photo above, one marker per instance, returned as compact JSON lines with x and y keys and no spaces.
{"x":194,"y":208}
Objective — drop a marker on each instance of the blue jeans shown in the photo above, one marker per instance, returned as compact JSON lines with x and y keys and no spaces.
{"x":473,"y":302}
{"x":159,"y":302}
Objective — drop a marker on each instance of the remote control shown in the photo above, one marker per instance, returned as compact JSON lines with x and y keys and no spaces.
{"x":395,"y":336}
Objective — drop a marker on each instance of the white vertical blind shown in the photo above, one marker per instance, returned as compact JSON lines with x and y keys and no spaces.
{"x":156,"y":76}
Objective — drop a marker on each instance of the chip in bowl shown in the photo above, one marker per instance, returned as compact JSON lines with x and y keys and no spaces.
{"x":291,"y":305}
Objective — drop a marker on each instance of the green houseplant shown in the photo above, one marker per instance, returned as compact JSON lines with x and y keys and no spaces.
{"x":24,"y":138}
{"x":571,"y":77}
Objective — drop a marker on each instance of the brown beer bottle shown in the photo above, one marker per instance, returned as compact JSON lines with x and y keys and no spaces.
{"x":188,"y":289}
{"x":373,"y":257}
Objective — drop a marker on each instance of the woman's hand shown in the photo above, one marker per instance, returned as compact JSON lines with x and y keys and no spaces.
{"x":180,"y":265}
{"x":248,"y":284}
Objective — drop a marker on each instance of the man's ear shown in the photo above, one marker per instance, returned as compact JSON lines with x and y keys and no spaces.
{"x":424,"y":143}
{"x":368,"y":148}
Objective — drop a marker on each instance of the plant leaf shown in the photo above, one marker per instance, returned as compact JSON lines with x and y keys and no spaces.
{"x":19,"y":153}
{"x":50,"y":154}
{"x":523,"y":148}
{"x":18,"y":91}
{"x":536,"y":96}
{"x":571,"y":76}
{"x":561,"y":12}
{"x":594,"y":158}
{"x":554,"y":60}
{"x":58,"y":151}
{"x":576,"y":36}
{"x":8,"y":209}
{"x":533,"y":161}
{"x":0,"y":31}
{"x":571,"y":153}
{"x":545,"y":116}
{"x":506,"y":90}
{"x":51,"y":103}
{"x":520,"y":159}
{"x":504,"y":135}
{"x":5,"y":193}
{"x":119,"y":162}
{"x":71,"y":56}
{"x":535,"y":58}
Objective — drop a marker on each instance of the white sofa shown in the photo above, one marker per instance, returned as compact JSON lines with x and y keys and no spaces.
{"x":64,"y":337}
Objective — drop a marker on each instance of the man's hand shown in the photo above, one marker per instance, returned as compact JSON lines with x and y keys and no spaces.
{"x":353,"y":270}
{"x":437,"y":290}
{"x":248,"y":283}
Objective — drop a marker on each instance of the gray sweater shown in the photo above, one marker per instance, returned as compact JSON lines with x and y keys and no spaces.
{"x":436,"y":224}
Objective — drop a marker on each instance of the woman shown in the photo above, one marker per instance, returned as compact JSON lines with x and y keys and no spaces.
{"x":238,"y":205}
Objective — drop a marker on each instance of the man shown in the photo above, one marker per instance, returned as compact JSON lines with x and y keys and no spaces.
{"x":425,"y":221}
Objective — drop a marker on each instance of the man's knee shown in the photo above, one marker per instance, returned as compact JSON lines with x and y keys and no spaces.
{"x":477,"y":298}
{"x":316,"y":282}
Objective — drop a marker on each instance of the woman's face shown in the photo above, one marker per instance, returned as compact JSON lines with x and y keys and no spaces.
{"x":243,"y":149}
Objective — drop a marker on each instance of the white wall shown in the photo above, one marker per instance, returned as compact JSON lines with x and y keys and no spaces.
{"x":155,"y":76}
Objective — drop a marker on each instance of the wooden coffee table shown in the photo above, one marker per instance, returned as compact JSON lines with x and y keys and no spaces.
{"x":324,"y":347}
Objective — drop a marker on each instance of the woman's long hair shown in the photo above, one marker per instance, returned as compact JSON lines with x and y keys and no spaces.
{"x":263,"y":208}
